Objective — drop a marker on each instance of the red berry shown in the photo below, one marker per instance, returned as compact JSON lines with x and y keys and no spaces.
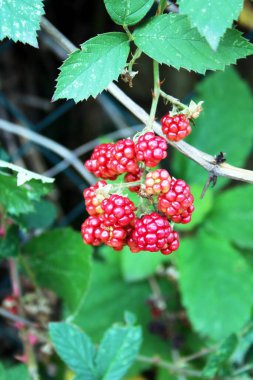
{"x":91,"y":230}
{"x":151,"y":149}
{"x":98,"y":163}
{"x":118,"y":210}
{"x":177,"y":203}
{"x":130,"y":177}
{"x":175,"y":127}
{"x":10,"y":303}
{"x":115,"y":236}
{"x":151,"y":233}
{"x":123,"y":158}
{"x":96,"y":231}
{"x":157,"y":182}
{"x":93,"y":200}
{"x":172,"y":244}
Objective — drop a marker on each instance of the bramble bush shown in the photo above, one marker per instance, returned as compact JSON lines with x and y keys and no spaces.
{"x":158,"y":284}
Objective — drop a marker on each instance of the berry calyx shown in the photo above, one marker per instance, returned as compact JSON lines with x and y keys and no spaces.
{"x":123,"y":157}
{"x":98,"y":163}
{"x":118,"y":210}
{"x":152,"y":232}
{"x":177,"y":203}
{"x":151,"y":149}
{"x":157,"y":182}
{"x":93,"y":200}
{"x":175,"y":127}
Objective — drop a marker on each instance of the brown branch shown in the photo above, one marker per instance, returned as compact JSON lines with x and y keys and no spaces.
{"x":201,"y":158}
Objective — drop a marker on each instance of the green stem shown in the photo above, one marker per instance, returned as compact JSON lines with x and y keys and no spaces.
{"x":130,"y":36}
{"x":172,"y":100}
{"x":156,"y":94}
{"x":161,"y":7}
{"x":135,"y":56}
{"x":171,"y":367}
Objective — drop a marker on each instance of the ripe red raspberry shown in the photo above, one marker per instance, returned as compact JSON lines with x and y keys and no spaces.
{"x":151,"y":233}
{"x":151,"y":149}
{"x":175,"y":127}
{"x":177,"y":204}
{"x":130,"y":177}
{"x":91,"y":230}
{"x":93,"y":200}
{"x":123,"y":158}
{"x":118,"y":210}
{"x":98,"y":163}
{"x":157,"y":182}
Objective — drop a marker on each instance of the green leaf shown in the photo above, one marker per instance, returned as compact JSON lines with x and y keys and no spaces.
{"x":211,"y":18}
{"x":89,"y":71}
{"x":18,"y":200}
{"x":216,"y":285}
{"x":24,"y":175}
{"x":18,"y":372}
{"x":43,"y":216}
{"x":110,"y":294}
{"x":75,"y":348}
{"x":13,"y":373}
{"x":136,"y":267}
{"x":223,"y":126}
{"x":232,"y":216}
{"x":61,"y":262}
{"x":20,"y":20}
{"x":220,"y":357}
{"x":202,"y":208}
{"x":127,"y":12}
{"x":9,"y":244}
{"x":170,"y":39}
{"x":117,"y":351}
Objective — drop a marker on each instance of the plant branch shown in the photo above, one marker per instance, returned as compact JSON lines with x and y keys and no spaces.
{"x":172,"y":100}
{"x":156,"y":94}
{"x":201,"y":158}
{"x":171,"y":367}
{"x":49,"y":144}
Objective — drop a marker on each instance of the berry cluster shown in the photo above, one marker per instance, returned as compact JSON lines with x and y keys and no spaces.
{"x":114,"y":219}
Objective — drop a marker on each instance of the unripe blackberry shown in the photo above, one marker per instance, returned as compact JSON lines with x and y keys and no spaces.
{"x":114,"y":236}
{"x":98,"y":164}
{"x":172,"y":244}
{"x":151,"y":149}
{"x":91,"y":230}
{"x":177,"y":203}
{"x":175,"y":127}
{"x":157,"y":182}
{"x":123,"y":158}
{"x":118,"y":210}
{"x":93,"y":200}
{"x":151,"y":233}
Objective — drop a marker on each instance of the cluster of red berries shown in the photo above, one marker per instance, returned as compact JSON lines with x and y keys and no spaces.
{"x":114,"y":219}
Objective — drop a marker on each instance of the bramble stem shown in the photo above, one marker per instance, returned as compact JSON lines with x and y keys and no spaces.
{"x":156,"y":94}
{"x":171,"y":367}
{"x":173,"y":100}
{"x":130,"y":36}
{"x":135,"y":56}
